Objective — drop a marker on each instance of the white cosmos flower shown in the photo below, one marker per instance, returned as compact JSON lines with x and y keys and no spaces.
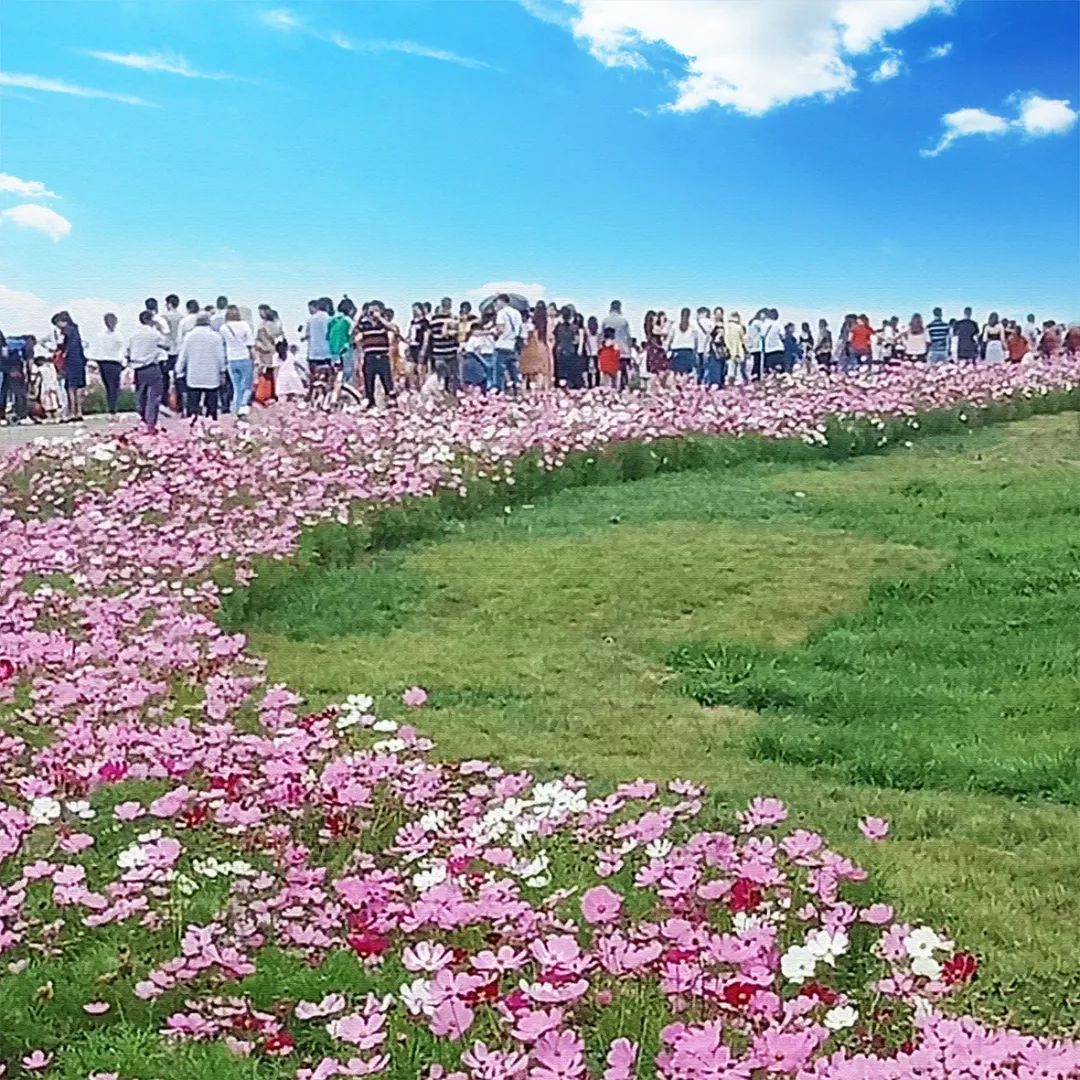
{"x":827,"y":947}
{"x":417,"y":997}
{"x":389,"y":746}
{"x":659,"y":848}
{"x":44,"y":809}
{"x":430,"y":877}
{"x":841,"y":1017}
{"x":798,"y":964}
{"x":360,"y":703}
{"x":923,"y":941}
{"x":81,"y":809}
{"x":541,"y":881}
{"x":384,"y":726}
{"x":434,"y":820}
{"x":927,"y":966}
{"x":131,"y":857}
{"x":535,"y":867}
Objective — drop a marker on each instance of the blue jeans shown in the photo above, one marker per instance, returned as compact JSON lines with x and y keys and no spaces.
{"x":715,"y":373}
{"x":506,"y":363}
{"x":348,"y":365}
{"x":242,"y":377}
{"x":938,"y":356}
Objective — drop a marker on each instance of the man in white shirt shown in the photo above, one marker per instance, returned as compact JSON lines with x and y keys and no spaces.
{"x":173,"y":317}
{"x":217,"y":314}
{"x":508,"y":325}
{"x":617,"y":322}
{"x":1032,"y":334}
{"x":772,"y":342}
{"x":145,"y":353}
{"x":703,"y":328}
{"x":107,"y":350}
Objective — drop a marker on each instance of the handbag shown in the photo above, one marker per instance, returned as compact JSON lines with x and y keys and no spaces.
{"x":264,"y":389}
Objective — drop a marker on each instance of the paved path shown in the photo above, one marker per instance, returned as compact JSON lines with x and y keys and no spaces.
{"x":18,"y":435}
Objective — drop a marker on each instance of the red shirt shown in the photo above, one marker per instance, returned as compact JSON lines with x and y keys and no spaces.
{"x":607,"y":360}
{"x":860,"y":337}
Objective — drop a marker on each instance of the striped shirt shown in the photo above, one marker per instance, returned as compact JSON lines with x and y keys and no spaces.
{"x":938,"y":332}
{"x":444,"y":337}
{"x":374,"y":337}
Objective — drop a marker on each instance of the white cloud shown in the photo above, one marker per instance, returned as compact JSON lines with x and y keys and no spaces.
{"x":28,"y":189}
{"x":1037,"y":117}
{"x":752,"y":57}
{"x":964,"y":122}
{"x":287,"y":21}
{"x":42,"y":218}
{"x":939,"y":52}
{"x":891,"y":66}
{"x":1045,"y":116}
{"x":58,"y":86}
{"x":27,"y":313}
{"x":167,"y":63}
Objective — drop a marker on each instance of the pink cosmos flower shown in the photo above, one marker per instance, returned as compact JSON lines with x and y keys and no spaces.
{"x":601,"y":905}
{"x":96,"y":1008}
{"x":874,"y":828}
{"x":37,"y":1059}
{"x":415,"y":697}
{"x":621,"y":1058}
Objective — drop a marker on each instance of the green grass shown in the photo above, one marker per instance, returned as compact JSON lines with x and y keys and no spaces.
{"x":851,"y":636}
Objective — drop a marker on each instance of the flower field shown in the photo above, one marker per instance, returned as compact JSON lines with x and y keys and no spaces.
{"x":197,"y":875}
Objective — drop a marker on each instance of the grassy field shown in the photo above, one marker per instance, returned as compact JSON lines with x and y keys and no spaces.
{"x":889,"y":635}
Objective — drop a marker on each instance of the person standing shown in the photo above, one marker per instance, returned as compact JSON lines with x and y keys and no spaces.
{"x":967,"y":337}
{"x":993,"y":339}
{"x":755,"y":335}
{"x":74,"y":361}
{"x":860,"y":341}
{"x":315,"y":334}
{"x":682,"y":339}
{"x":916,"y":338}
{"x":466,"y":320}
{"x":1031,"y":334}
{"x":268,"y":338}
{"x":239,"y":341}
{"x":735,"y":340}
{"x":717,"y":352}
{"x":201,"y":364}
{"x":108,"y":350}
{"x":536,"y":366}
{"x":14,"y":378}
{"x":937,"y":332}
{"x":339,"y":332}
{"x":508,"y":340}
{"x":568,"y":346}
{"x":703,"y":341}
{"x":772,"y":342}
{"x":444,"y":347}
{"x":792,"y":349}
{"x":217,"y":315}
{"x":823,"y":347}
{"x":146,"y":350}
{"x":592,"y":351}
{"x":373,"y":338}
{"x":172,"y":316}
{"x":617,"y":323}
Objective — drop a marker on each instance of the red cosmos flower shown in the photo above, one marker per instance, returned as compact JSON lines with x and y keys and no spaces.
{"x":195,"y":815}
{"x":368,"y":943}
{"x":247,"y":1022}
{"x":744,"y":896}
{"x":739,"y":994}
{"x":278,"y":1045}
{"x":678,"y":956}
{"x":819,"y":992}
{"x":959,"y":968}
{"x":488,"y":992}
{"x":113,"y":771}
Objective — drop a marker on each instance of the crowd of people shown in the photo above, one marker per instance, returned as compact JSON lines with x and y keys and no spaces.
{"x":202,"y":360}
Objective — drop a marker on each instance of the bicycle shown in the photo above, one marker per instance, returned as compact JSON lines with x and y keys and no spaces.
{"x":329,"y":392}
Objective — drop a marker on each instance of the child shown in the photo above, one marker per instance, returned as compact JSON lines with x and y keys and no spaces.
{"x":607,"y":361}
{"x":45,"y":388}
{"x":478,"y":364}
{"x":14,"y":354}
{"x":289,"y":383}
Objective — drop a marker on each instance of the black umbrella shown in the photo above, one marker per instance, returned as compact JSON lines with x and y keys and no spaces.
{"x":516,"y":301}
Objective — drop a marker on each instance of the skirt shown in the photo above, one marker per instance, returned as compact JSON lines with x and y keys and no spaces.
{"x":682,"y":361}
{"x":535,"y":357}
{"x":995,"y":351}
{"x":656,"y":359}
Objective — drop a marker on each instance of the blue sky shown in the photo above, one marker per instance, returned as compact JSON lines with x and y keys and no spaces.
{"x":819,"y":155}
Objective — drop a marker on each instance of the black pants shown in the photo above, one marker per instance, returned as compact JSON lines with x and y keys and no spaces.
{"x":377,"y":366}
{"x":110,"y":376}
{"x":13,"y":387}
{"x":209,"y":398}
{"x":225,"y":394}
{"x":756,"y":365}
{"x":448,"y":366}
{"x":774,"y":361}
